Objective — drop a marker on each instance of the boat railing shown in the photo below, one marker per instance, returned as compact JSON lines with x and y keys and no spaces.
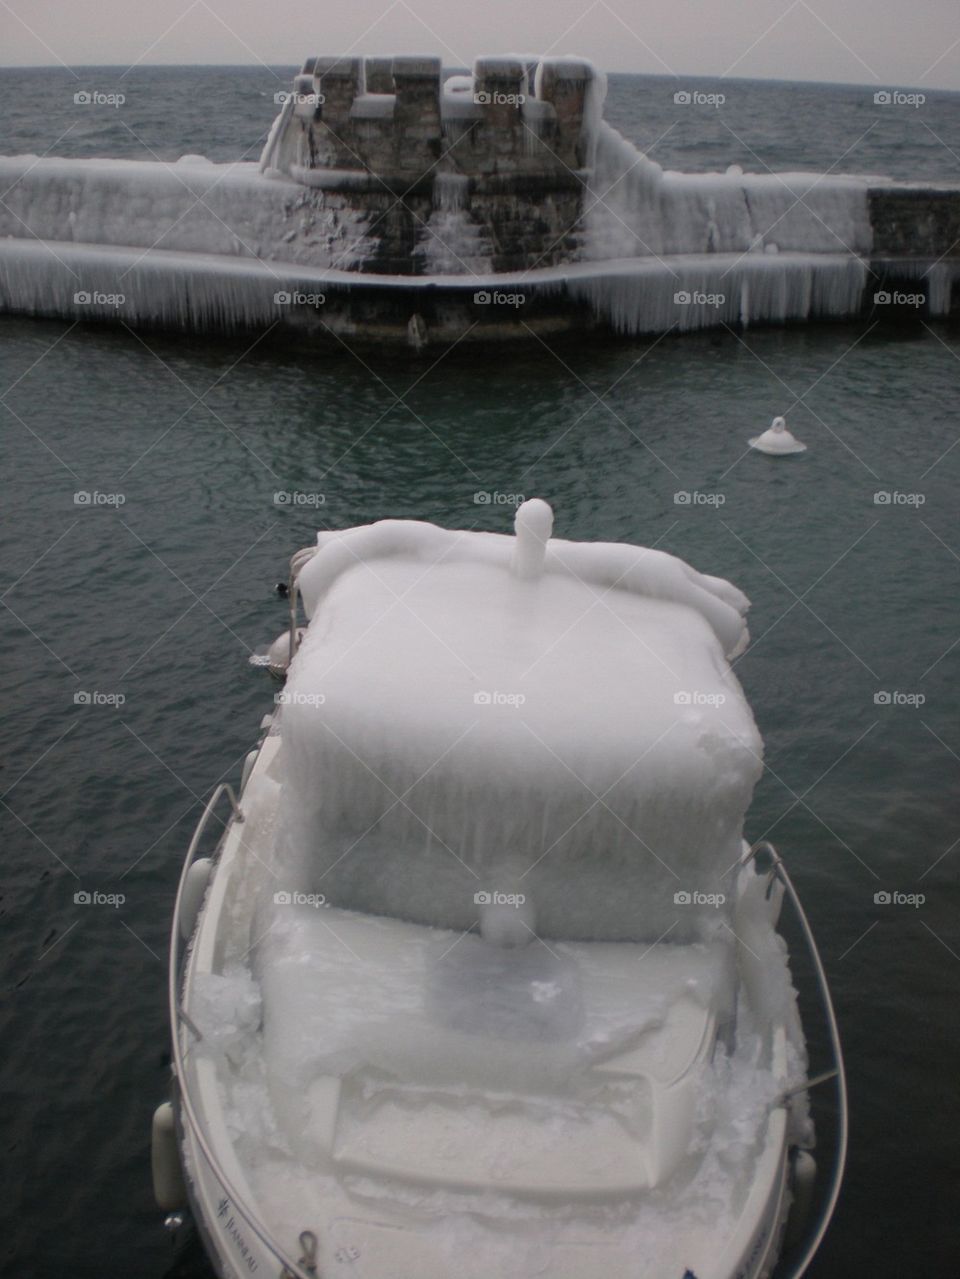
{"x":180,"y":1022}
{"x":802,"y":1253}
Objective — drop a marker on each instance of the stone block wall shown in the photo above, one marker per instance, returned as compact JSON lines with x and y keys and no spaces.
{"x":391,"y":131}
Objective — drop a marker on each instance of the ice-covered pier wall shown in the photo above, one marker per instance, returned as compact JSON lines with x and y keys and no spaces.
{"x":395,"y":204}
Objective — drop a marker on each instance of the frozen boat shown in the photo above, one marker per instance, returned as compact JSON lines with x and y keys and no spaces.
{"x":481,"y":977}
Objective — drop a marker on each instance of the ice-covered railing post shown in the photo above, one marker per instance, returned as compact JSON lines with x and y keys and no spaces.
{"x":533,"y":525}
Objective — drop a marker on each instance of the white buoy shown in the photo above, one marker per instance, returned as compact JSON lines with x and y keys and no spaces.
{"x":533,"y":526}
{"x":777,"y":440}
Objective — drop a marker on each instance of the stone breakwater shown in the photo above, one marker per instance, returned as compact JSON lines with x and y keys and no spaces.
{"x":394,"y":202}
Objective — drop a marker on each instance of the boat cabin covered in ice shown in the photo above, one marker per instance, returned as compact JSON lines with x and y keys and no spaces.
{"x":505,"y":716}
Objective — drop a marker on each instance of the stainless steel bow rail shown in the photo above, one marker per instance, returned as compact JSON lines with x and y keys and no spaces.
{"x":288,"y":1268}
{"x":797,"y":1265}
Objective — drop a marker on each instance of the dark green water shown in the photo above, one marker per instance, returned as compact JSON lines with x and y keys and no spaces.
{"x":161,"y":599}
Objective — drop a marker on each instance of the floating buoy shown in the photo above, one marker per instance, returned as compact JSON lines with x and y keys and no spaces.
{"x":168,"y":1185}
{"x":776,"y":439}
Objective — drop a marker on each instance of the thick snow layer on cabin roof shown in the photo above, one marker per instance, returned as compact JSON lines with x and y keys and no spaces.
{"x":584,"y":721}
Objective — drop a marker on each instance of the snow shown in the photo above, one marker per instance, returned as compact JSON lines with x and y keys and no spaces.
{"x":777,"y":440}
{"x":440,"y":1038}
{"x":491,"y":729}
{"x":690,"y":292}
{"x":637,"y":209}
{"x":657,"y":251}
{"x":230,"y":210}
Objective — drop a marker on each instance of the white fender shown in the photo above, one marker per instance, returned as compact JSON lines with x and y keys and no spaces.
{"x":248,"y":764}
{"x":168,"y":1188}
{"x":194,"y":887}
{"x":804,"y":1177}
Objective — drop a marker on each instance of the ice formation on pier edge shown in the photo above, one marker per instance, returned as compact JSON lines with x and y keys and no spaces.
{"x":203,"y":245}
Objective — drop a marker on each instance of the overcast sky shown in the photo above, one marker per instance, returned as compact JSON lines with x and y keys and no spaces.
{"x":888,"y":43}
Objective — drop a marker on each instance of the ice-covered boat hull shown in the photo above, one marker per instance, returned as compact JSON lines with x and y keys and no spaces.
{"x":246,"y":1236}
{"x":487,"y":979}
